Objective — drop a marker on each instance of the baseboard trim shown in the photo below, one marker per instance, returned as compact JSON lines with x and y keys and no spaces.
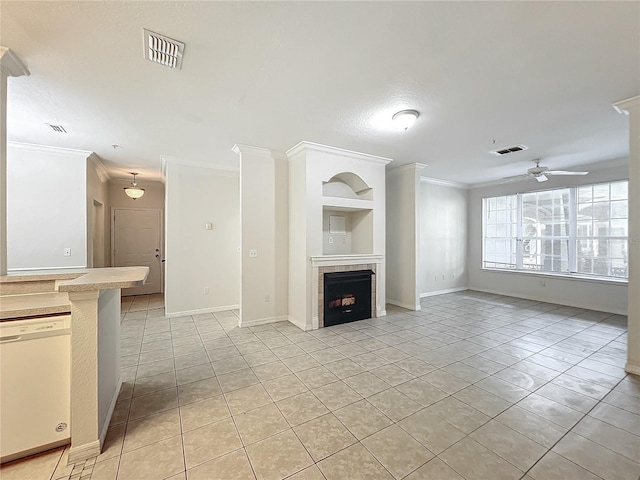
{"x":202,"y":310}
{"x":536,"y":298}
{"x":83,"y":452}
{"x":408,"y":306}
{"x":442,"y":292}
{"x":381,"y":313}
{"x":630,"y":368}
{"x":301,"y":324}
{"x":112,"y":406}
{"x":262,"y":321}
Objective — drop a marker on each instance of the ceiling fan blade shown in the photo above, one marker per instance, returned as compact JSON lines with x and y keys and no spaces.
{"x":564,"y":172}
{"x":514,"y":178}
{"x":542,"y":178}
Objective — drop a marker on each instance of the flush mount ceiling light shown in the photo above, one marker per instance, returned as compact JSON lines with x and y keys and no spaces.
{"x":133,"y":191}
{"x":163,"y":50}
{"x":405,"y":118}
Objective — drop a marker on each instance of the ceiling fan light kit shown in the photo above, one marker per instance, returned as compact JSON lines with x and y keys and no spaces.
{"x":133,"y":191}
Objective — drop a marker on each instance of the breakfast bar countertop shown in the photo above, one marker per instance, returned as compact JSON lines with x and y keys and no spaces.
{"x":106,"y":279}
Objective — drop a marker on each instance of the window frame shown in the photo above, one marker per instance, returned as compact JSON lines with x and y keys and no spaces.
{"x":573,"y":238}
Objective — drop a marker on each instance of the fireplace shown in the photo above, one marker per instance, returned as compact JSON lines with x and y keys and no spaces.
{"x":347,"y":296}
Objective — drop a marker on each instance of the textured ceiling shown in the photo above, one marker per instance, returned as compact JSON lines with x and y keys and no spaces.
{"x":271,"y":74}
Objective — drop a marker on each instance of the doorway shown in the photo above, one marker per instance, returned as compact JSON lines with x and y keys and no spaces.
{"x":137,"y":241}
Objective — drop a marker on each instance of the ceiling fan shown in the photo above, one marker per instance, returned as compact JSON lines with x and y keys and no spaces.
{"x":541,"y":174}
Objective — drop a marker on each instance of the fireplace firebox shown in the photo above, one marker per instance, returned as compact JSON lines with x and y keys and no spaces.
{"x":347,"y":296}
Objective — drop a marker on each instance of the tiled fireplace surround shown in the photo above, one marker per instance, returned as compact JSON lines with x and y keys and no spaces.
{"x":342,"y":263}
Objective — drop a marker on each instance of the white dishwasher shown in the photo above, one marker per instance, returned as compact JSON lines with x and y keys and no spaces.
{"x":35,"y":361}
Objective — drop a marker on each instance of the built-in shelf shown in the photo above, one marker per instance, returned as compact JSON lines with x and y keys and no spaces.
{"x":347,"y":204}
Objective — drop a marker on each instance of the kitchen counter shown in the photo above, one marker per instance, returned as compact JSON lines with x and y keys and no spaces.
{"x":34,"y":304}
{"x":106,"y":279}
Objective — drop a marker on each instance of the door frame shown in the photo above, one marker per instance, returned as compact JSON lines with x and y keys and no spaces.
{"x":161,"y":233}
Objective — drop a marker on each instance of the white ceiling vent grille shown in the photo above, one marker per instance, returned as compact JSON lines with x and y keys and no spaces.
{"x":506,"y":151}
{"x":163,"y":50}
{"x":56,"y":128}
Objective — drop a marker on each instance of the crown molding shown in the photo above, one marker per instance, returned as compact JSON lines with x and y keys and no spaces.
{"x":31,"y":147}
{"x":10,"y":64}
{"x":166,"y":160}
{"x":625,"y":106}
{"x":413,"y":167}
{"x":240,"y":149}
{"x":101,"y":170}
{"x":316,"y":147}
{"x":444,"y":183}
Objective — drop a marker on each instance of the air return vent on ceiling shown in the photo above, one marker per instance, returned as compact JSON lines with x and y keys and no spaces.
{"x":163,"y":50}
{"x":505,"y":151}
{"x":56,"y":128}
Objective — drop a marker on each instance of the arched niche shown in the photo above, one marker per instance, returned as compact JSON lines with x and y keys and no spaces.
{"x":347,"y":185}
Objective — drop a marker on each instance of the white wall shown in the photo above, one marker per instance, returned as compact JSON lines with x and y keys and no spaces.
{"x":443,"y":237}
{"x":46,"y":207}
{"x":402,"y":254}
{"x":198,"y":258}
{"x":589,"y":294}
{"x":98,"y":231}
{"x":265,"y":229}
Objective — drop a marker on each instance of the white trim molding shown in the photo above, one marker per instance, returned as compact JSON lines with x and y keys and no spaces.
{"x":240,"y":149}
{"x":444,"y":183}
{"x":334,"y":260}
{"x":316,"y":147}
{"x":414,"y":167}
{"x":11,"y":65}
{"x":202,"y":310}
{"x":101,"y":170}
{"x":625,"y":106}
{"x":32,"y":147}
{"x":443,"y":292}
{"x":408,"y":306}
{"x":262,"y":321}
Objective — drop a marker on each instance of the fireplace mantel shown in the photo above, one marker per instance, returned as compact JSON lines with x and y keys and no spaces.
{"x":354,"y":259}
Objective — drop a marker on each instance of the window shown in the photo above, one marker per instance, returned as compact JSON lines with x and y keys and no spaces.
{"x":579,"y":230}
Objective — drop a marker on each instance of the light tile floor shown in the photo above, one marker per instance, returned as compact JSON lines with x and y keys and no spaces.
{"x":474,"y":386}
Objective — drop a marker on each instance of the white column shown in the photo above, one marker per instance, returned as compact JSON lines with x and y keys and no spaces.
{"x":264,"y":221}
{"x":85,"y":435}
{"x":631,"y":107}
{"x":10,"y":66}
{"x":403,"y":235}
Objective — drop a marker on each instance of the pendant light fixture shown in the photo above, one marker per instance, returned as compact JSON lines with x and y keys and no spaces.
{"x":133,"y":191}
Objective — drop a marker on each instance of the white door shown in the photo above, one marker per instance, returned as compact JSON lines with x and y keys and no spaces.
{"x":136,"y":237}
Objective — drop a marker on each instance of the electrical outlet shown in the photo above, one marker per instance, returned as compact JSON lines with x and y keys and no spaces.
{"x":67,"y":252}
{"x":253,"y":253}
{"x":238,"y":249}
{"x":330,"y":239}
{"x":205,"y":290}
{"x":208,"y":226}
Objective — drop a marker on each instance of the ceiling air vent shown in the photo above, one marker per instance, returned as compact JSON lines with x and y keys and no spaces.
{"x":163,"y":50}
{"x":505,"y":151}
{"x":56,"y":128}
